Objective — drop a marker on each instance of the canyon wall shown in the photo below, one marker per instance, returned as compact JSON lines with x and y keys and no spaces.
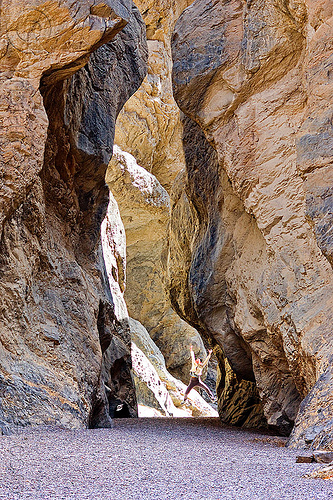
{"x":250,"y":253}
{"x":247,"y":178}
{"x":66,"y":70}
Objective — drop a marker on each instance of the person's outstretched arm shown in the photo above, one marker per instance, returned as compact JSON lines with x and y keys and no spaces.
{"x":207,"y":359}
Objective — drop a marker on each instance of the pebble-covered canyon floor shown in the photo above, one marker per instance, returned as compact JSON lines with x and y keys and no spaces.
{"x":154,"y":459}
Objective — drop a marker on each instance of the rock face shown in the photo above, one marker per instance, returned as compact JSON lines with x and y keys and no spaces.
{"x":61,"y":337}
{"x":257,"y":276}
{"x":198,"y":226}
{"x":158,"y":392}
{"x":149,"y":128}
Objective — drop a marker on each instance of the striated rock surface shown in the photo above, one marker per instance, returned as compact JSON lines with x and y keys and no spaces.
{"x":62,"y":338}
{"x":257,"y":276}
{"x":321,"y":473}
{"x":50,"y":39}
{"x":198,"y":226}
{"x":149,"y":129}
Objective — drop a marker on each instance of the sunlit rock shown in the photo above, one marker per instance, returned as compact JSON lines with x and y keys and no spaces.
{"x":255,"y":77}
{"x":144,"y":207}
{"x":149,"y":128}
{"x":156,"y":387}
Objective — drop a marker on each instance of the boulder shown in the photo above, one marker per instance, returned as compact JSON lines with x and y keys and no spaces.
{"x":323,"y":457}
{"x":322,"y":473}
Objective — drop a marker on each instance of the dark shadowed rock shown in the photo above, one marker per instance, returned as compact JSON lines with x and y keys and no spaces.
{"x":304,"y":459}
{"x":59,"y":332}
{"x":197,"y":282}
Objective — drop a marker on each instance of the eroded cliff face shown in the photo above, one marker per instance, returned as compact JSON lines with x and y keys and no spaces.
{"x":149,"y":127}
{"x":257,"y":276}
{"x":200,"y":244}
{"x":148,"y":157}
{"x":63,"y":343}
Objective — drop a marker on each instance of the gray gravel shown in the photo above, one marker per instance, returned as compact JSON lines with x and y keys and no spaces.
{"x":157,"y":459}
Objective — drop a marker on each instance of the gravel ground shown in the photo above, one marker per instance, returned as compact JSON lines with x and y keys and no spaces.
{"x":154,"y":459}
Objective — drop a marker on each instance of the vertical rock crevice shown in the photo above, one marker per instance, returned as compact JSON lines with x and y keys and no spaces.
{"x":148,"y":157}
{"x":198,"y":263}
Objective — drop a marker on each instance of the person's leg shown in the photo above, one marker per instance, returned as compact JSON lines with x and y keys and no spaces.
{"x":193,"y":382}
{"x":204,"y":386}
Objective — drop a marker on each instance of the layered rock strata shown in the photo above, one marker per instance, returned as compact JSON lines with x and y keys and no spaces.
{"x":62,"y":340}
{"x":149,"y":129}
{"x":256,"y":77}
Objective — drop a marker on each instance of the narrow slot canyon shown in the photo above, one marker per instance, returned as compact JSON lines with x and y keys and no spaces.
{"x":166,"y":194}
{"x":147,"y":158}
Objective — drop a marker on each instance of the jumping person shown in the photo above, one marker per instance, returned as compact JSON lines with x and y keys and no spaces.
{"x":196,"y":372}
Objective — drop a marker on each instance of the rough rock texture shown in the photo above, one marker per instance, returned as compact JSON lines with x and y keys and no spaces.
{"x":238,"y":399}
{"x":156,"y":388}
{"x":199,"y":233}
{"x":322,"y":473}
{"x":113,"y":322}
{"x":256,"y":77}
{"x":36,"y":39}
{"x":58,"y":324}
{"x":149,"y":129}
